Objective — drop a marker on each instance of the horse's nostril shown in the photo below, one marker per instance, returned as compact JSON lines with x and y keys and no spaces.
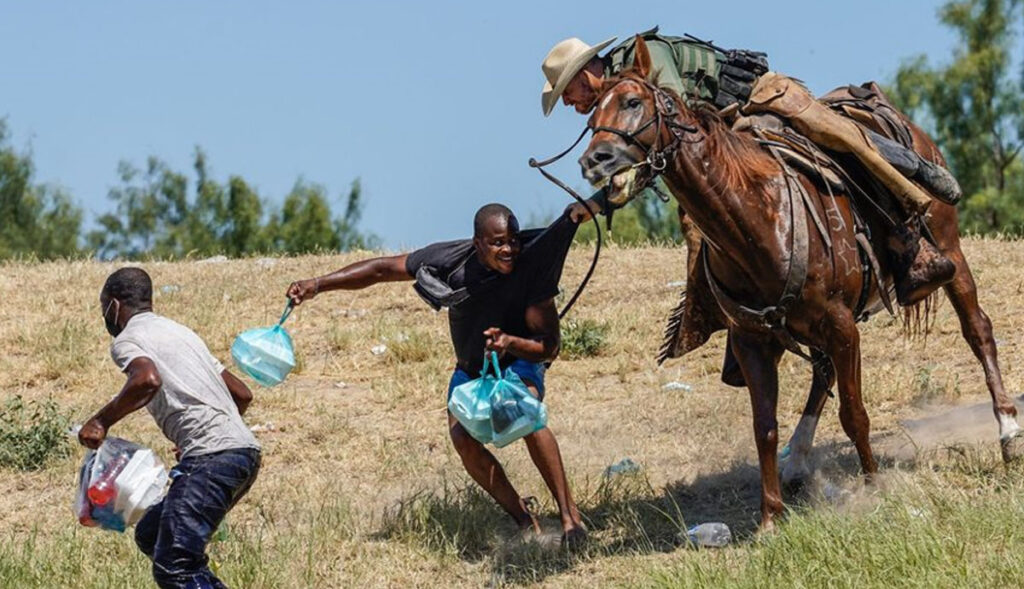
{"x":602,"y":156}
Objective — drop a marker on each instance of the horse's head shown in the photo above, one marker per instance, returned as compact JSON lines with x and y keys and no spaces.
{"x":631,"y":130}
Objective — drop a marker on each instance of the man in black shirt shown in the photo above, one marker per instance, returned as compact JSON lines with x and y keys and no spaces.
{"x":499,"y":288}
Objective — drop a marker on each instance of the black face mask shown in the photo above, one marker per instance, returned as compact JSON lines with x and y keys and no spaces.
{"x":112,"y":327}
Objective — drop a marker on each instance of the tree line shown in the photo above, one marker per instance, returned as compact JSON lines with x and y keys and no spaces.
{"x":973,"y":106}
{"x":164,"y":213}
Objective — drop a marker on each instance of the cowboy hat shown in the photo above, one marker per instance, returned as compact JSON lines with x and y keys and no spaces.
{"x":563,"y":62}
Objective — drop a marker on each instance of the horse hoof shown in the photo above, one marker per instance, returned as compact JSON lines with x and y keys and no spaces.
{"x":1013,"y":447}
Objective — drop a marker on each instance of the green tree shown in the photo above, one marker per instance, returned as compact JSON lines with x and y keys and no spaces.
{"x":243,"y":232}
{"x":347,"y":226}
{"x":156,"y":216}
{"x":974,"y":108}
{"x":35,"y":219}
{"x":306,"y":224}
{"x":206,"y":227}
{"x":150,"y":213}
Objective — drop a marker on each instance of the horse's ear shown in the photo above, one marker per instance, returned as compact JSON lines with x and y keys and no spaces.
{"x":641,"y":58}
{"x":596,"y":84}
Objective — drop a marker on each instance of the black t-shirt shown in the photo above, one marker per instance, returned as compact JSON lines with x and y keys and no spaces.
{"x":496,"y":300}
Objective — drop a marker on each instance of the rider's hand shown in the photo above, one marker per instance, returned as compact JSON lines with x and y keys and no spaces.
{"x":302,"y":290}
{"x":497,"y":341}
{"x":92,"y":434}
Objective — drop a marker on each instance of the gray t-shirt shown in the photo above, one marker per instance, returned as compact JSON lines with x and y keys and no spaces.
{"x":193,"y":407}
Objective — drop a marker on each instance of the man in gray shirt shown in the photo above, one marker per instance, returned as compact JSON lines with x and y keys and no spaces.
{"x":199,"y":406}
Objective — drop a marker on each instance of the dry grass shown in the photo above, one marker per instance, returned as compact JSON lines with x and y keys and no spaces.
{"x":360,"y":484}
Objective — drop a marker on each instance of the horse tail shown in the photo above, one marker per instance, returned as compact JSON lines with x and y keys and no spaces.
{"x":673,"y":333}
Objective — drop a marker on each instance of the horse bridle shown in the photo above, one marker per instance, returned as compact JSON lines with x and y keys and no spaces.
{"x":665,"y":116}
{"x":657,"y":159}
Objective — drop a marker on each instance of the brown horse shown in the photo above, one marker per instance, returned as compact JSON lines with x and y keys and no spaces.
{"x":755,"y":230}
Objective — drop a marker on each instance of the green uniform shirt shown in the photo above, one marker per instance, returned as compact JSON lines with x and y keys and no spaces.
{"x":687,"y":68}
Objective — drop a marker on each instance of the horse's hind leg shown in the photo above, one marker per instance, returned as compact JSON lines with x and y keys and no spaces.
{"x":977,"y":330}
{"x":759,"y":361}
{"x":796,"y":471}
{"x":844,"y":349}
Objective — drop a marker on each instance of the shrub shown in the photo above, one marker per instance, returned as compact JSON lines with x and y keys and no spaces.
{"x":31,"y":433}
{"x":582,"y":338}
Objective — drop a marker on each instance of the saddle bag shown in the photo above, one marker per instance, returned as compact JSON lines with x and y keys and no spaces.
{"x":740,"y":69}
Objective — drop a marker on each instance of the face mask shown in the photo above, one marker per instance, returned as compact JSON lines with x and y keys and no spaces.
{"x":112,"y":328}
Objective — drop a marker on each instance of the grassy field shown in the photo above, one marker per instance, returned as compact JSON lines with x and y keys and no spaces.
{"x":360,"y":486}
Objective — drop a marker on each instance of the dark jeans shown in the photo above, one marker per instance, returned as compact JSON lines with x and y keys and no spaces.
{"x":174,"y":532}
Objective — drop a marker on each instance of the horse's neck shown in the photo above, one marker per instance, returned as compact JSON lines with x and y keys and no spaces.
{"x":742,"y":224}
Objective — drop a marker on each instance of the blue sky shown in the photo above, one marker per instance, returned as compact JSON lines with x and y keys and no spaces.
{"x":435,"y":105}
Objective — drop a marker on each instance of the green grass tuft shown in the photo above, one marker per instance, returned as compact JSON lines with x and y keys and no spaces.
{"x":32,"y":433}
{"x":583,"y":338}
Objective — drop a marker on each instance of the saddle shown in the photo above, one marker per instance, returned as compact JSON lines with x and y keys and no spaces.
{"x":697,"y":315}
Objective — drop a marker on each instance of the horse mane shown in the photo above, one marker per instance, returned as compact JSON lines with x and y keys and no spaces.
{"x":740,"y":163}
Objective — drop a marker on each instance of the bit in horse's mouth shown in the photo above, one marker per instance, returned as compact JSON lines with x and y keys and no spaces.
{"x":620,"y":186}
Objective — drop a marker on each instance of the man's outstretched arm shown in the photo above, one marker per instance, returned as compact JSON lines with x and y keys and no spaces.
{"x":352,"y":277}
{"x":143,"y":382}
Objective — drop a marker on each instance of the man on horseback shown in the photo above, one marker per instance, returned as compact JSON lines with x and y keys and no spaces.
{"x":738,"y":81}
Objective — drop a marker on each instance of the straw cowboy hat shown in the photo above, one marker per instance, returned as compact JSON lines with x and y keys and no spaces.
{"x":563,"y":62}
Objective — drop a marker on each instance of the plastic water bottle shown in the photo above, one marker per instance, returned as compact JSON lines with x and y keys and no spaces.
{"x":713,"y":534}
{"x":103,"y":490}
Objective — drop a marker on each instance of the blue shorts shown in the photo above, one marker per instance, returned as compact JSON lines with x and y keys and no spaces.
{"x":532,"y":373}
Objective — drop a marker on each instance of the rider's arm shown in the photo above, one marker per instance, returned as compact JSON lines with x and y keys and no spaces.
{"x":664,"y":68}
{"x":352,"y":277}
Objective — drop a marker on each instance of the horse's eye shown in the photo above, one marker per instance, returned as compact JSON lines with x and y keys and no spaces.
{"x":633,"y":103}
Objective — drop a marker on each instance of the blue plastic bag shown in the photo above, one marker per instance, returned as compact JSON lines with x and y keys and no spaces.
{"x":470,"y":403}
{"x":515,"y":412}
{"x":497,"y":409}
{"x":265,"y":353}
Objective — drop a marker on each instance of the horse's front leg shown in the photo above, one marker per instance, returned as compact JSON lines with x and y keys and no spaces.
{"x":796,"y":472}
{"x":758,"y":357}
{"x":844,"y":348}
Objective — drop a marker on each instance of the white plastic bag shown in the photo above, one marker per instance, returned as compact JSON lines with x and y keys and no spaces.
{"x":117,"y":484}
